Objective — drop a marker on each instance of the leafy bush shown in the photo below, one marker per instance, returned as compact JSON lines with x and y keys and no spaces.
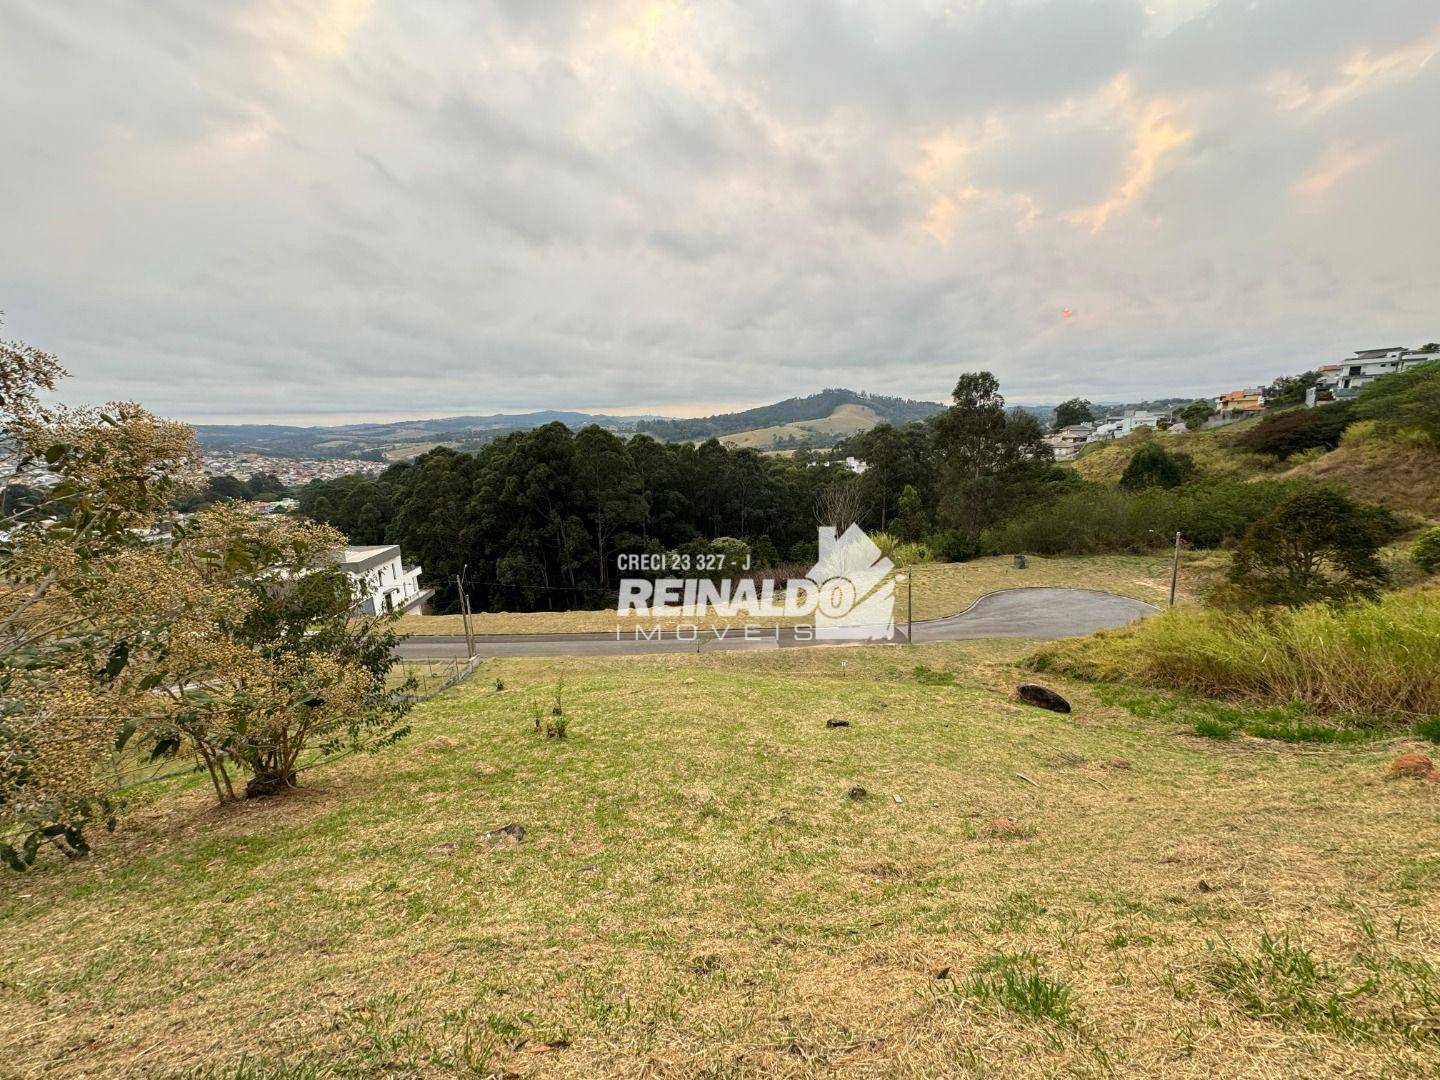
{"x":1426,"y":552}
{"x":1095,"y":519}
{"x":1316,"y":545}
{"x":1369,"y":659}
{"x":951,"y":546}
{"x":1154,"y":466}
{"x":1291,"y":432}
{"x":1214,"y":512}
{"x":1090,"y":521}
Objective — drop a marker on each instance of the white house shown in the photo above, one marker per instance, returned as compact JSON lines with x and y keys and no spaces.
{"x":1117,"y":427}
{"x":1349,"y":377}
{"x":385,"y":582}
{"x":1068,"y":441}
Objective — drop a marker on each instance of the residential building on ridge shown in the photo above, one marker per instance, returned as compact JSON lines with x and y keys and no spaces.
{"x":1237,"y":404}
{"x":1347,"y":378}
{"x":385,"y":583}
{"x":1068,"y":441}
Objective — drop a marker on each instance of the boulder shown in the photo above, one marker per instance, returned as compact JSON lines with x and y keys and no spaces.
{"x":1042,"y":697}
{"x":1412,"y":765}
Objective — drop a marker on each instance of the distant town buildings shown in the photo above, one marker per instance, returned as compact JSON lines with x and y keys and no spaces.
{"x":293,"y":472}
{"x":385,"y":582}
{"x":1347,"y":378}
{"x":1069,"y":441}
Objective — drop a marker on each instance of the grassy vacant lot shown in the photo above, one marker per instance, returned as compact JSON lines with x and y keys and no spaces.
{"x":698,"y":894}
{"x":939,"y":588}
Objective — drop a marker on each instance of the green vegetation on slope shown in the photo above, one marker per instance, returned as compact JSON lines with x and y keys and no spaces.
{"x":1369,"y":659}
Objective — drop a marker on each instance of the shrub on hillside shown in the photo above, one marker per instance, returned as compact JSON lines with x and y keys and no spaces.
{"x":1289,"y":433}
{"x":1154,"y":466}
{"x":1427,"y":551}
{"x":1316,"y":545}
{"x":1407,"y":400}
{"x":1215,"y":512}
{"x":1097,"y":519}
{"x":1090,"y":521}
{"x":1376,"y":659}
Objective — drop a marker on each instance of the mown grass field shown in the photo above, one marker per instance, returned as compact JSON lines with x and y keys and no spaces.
{"x":939,"y":589}
{"x":697,"y":893}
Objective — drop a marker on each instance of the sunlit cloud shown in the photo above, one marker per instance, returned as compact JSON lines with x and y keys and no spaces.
{"x":1155,"y":131}
{"x":1338,"y":162}
{"x":1362,"y":73}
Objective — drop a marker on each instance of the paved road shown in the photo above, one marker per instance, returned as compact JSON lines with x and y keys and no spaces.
{"x":1036,"y":614}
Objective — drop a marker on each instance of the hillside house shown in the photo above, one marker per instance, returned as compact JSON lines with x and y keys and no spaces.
{"x":1068,"y":441}
{"x":1238,"y":404}
{"x":385,"y":582}
{"x":1347,"y":378}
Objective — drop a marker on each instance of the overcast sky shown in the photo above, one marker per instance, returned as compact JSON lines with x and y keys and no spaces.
{"x":309,"y":209}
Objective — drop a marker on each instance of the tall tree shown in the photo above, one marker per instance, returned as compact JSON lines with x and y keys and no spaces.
{"x":990,"y":460}
{"x":1075,"y":411}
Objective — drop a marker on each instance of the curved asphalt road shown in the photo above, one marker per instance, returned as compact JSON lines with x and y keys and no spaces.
{"x":1037,"y":614}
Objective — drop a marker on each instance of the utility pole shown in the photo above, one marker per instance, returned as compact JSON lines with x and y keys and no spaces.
{"x":1175,"y":570}
{"x":465,"y":610}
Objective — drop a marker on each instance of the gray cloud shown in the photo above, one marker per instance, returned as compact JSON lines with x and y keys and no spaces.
{"x":267,"y":209}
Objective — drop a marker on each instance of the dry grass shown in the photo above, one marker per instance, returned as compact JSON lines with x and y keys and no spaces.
{"x":698,"y":895}
{"x":1376,"y":660}
{"x":1397,"y":473}
{"x":939,"y":589}
{"x":845,"y":420}
{"x":1216,"y":452}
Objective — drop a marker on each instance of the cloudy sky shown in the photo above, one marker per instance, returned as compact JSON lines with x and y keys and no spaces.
{"x":310,"y":209}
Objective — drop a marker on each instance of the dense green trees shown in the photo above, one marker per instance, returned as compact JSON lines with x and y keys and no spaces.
{"x":991,"y":462}
{"x":1196,"y":413}
{"x":535,"y":519}
{"x":1074,"y":411}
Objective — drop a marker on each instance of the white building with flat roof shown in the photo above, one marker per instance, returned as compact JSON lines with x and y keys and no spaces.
{"x":385,"y":582}
{"x":1347,"y":378}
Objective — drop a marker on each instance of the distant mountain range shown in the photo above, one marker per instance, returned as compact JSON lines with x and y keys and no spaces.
{"x":393,"y":441}
{"x":818,"y":420}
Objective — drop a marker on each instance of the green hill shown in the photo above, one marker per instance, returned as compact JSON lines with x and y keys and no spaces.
{"x":823,"y":406}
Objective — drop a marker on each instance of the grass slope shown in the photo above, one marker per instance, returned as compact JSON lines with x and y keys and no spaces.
{"x":1401,"y":474}
{"x":939,"y":589}
{"x":845,"y":420}
{"x":1216,"y":452}
{"x":698,"y":894}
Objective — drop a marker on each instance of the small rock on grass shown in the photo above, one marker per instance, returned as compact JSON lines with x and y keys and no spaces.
{"x":1418,"y":765}
{"x":506,"y":835}
{"x":1042,"y":697}
{"x":833,"y":722}
{"x":857,"y":792}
